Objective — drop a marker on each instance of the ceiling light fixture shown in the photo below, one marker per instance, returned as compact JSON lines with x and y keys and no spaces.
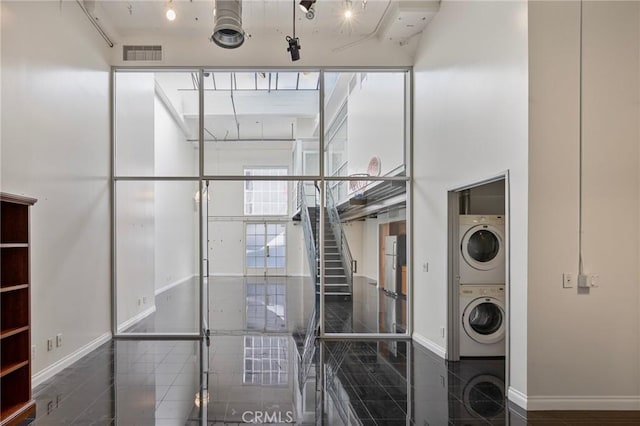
{"x":348,"y":12}
{"x":227,"y":18}
{"x":307,"y":7}
{"x":170,"y":12}
{"x":294,"y":43}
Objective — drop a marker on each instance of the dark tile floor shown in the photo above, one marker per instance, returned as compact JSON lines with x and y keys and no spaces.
{"x":261,"y":379}
{"x":255,"y":368}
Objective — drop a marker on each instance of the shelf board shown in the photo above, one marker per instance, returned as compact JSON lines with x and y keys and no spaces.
{"x":14,"y":245}
{"x":13,"y":367}
{"x":13,"y":287}
{"x":12,"y":331}
{"x":16,"y":411}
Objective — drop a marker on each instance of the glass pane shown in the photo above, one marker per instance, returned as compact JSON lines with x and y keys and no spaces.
{"x":365,"y":123}
{"x":365,"y":260}
{"x":261,"y":119}
{"x":156,"y":124}
{"x":157,"y":264}
{"x":483,"y":246}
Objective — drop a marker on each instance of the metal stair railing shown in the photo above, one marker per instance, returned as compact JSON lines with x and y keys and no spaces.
{"x":307,"y":226}
{"x":341,"y":239}
{"x":309,"y":349}
{"x":334,"y":363}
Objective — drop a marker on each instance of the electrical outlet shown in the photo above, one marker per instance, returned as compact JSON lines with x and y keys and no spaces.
{"x":144,"y":300}
{"x":588,"y":280}
{"x":139,"y":301}
{"x":33,"y":352}
{"x":49,"y":344}
{"x":441,"y":331}
{"x":59,"y":340}
{"x":567,"y":280}
{"x":425,"y":267}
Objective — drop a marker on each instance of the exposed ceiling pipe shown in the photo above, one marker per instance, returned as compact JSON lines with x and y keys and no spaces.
{"x":233,"y":104}
{"x":95,"y":23}
{"x":227,"y":21}
{"x":368,"y":36}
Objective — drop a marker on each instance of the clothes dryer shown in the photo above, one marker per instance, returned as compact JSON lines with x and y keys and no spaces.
{"x":482,"y":250}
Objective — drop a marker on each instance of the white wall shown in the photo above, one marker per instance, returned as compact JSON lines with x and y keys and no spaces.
{"x":135,"y":201}
{"x":376,"y":126}
{"x":55,"y":147}
{"x":594,"y":336}
{"x":270,"y":50}
{"x":470,"y":123}
{"x":226,"y":208}
{"x":176,"y":211}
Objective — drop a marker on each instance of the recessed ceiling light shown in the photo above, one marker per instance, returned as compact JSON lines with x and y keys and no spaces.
{"x":348,"y":12}
{"x":170,"y":12}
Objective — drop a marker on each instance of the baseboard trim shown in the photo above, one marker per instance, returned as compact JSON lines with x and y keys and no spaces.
{"x":517,"y":397}
{"x":174,"y":284}
{"x":137,"y":318}
{"x":428,"y":344}
{"x":228,"y":275}
{"x":50,"y":371}
{"x":583,"y":403}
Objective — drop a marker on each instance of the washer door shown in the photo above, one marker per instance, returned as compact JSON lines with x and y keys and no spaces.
{"x":482,"y":247}
{"x":484,"y":396}
{"x":483,"y":320}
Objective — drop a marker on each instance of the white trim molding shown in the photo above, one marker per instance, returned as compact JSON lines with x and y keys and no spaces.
{"x":517,"y":397}
{"x":587,"y":402}
{"x":174,"y":284}
{"x":50,"y":371}
{"x":136,"y":318}
{"x":433,"y":347}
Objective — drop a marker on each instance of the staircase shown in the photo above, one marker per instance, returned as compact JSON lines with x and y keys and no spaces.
{"x":335,"y":277}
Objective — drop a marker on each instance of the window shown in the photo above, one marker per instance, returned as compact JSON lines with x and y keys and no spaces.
{"x":265,"y":198}
{"x":266,"y":360}
{"x":266,"y":306}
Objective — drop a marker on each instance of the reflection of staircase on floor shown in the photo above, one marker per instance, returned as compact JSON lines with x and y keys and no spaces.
{"x":336,"y":285}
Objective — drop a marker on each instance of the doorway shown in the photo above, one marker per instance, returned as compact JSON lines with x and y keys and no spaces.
{"x":265,"y":249}
{"x":478,"y":257}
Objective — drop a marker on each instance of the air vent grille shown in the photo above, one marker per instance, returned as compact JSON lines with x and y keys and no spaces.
{"x":142,"y":53}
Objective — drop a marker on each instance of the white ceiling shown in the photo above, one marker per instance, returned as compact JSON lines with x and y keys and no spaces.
{"x":139,"y":18}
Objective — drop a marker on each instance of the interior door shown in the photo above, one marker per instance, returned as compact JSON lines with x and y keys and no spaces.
{"x":265,"y":249}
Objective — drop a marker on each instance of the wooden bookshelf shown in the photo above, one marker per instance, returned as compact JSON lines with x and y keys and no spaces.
{"x":16,"y":402}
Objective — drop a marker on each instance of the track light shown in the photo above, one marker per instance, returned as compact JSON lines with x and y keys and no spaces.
{"x":294,"y":43}
{"x":170,"y":12}
{"x":306,"y":5}
{"x":294,"y":48}
{"x":311,"y":13}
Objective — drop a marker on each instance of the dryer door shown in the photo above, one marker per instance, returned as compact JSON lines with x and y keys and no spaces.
{"x":484,"y":396}
{"x":482,"y":247}
{"x":483,"y":320}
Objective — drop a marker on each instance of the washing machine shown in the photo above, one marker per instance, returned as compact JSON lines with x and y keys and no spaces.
{"x":482,"y":251}
{"x":482,"y":320}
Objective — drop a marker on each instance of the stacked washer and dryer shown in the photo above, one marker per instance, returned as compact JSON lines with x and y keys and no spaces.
{"x":482,"y":285}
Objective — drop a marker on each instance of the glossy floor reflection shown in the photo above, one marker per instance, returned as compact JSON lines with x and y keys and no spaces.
{"x":259,"y":379}
{"x":263,"y":365}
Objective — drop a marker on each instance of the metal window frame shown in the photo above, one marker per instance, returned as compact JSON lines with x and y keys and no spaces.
{"x":321,"y":178}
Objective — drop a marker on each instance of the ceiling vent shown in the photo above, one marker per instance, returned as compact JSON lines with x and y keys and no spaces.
{"x":141,"y":53}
